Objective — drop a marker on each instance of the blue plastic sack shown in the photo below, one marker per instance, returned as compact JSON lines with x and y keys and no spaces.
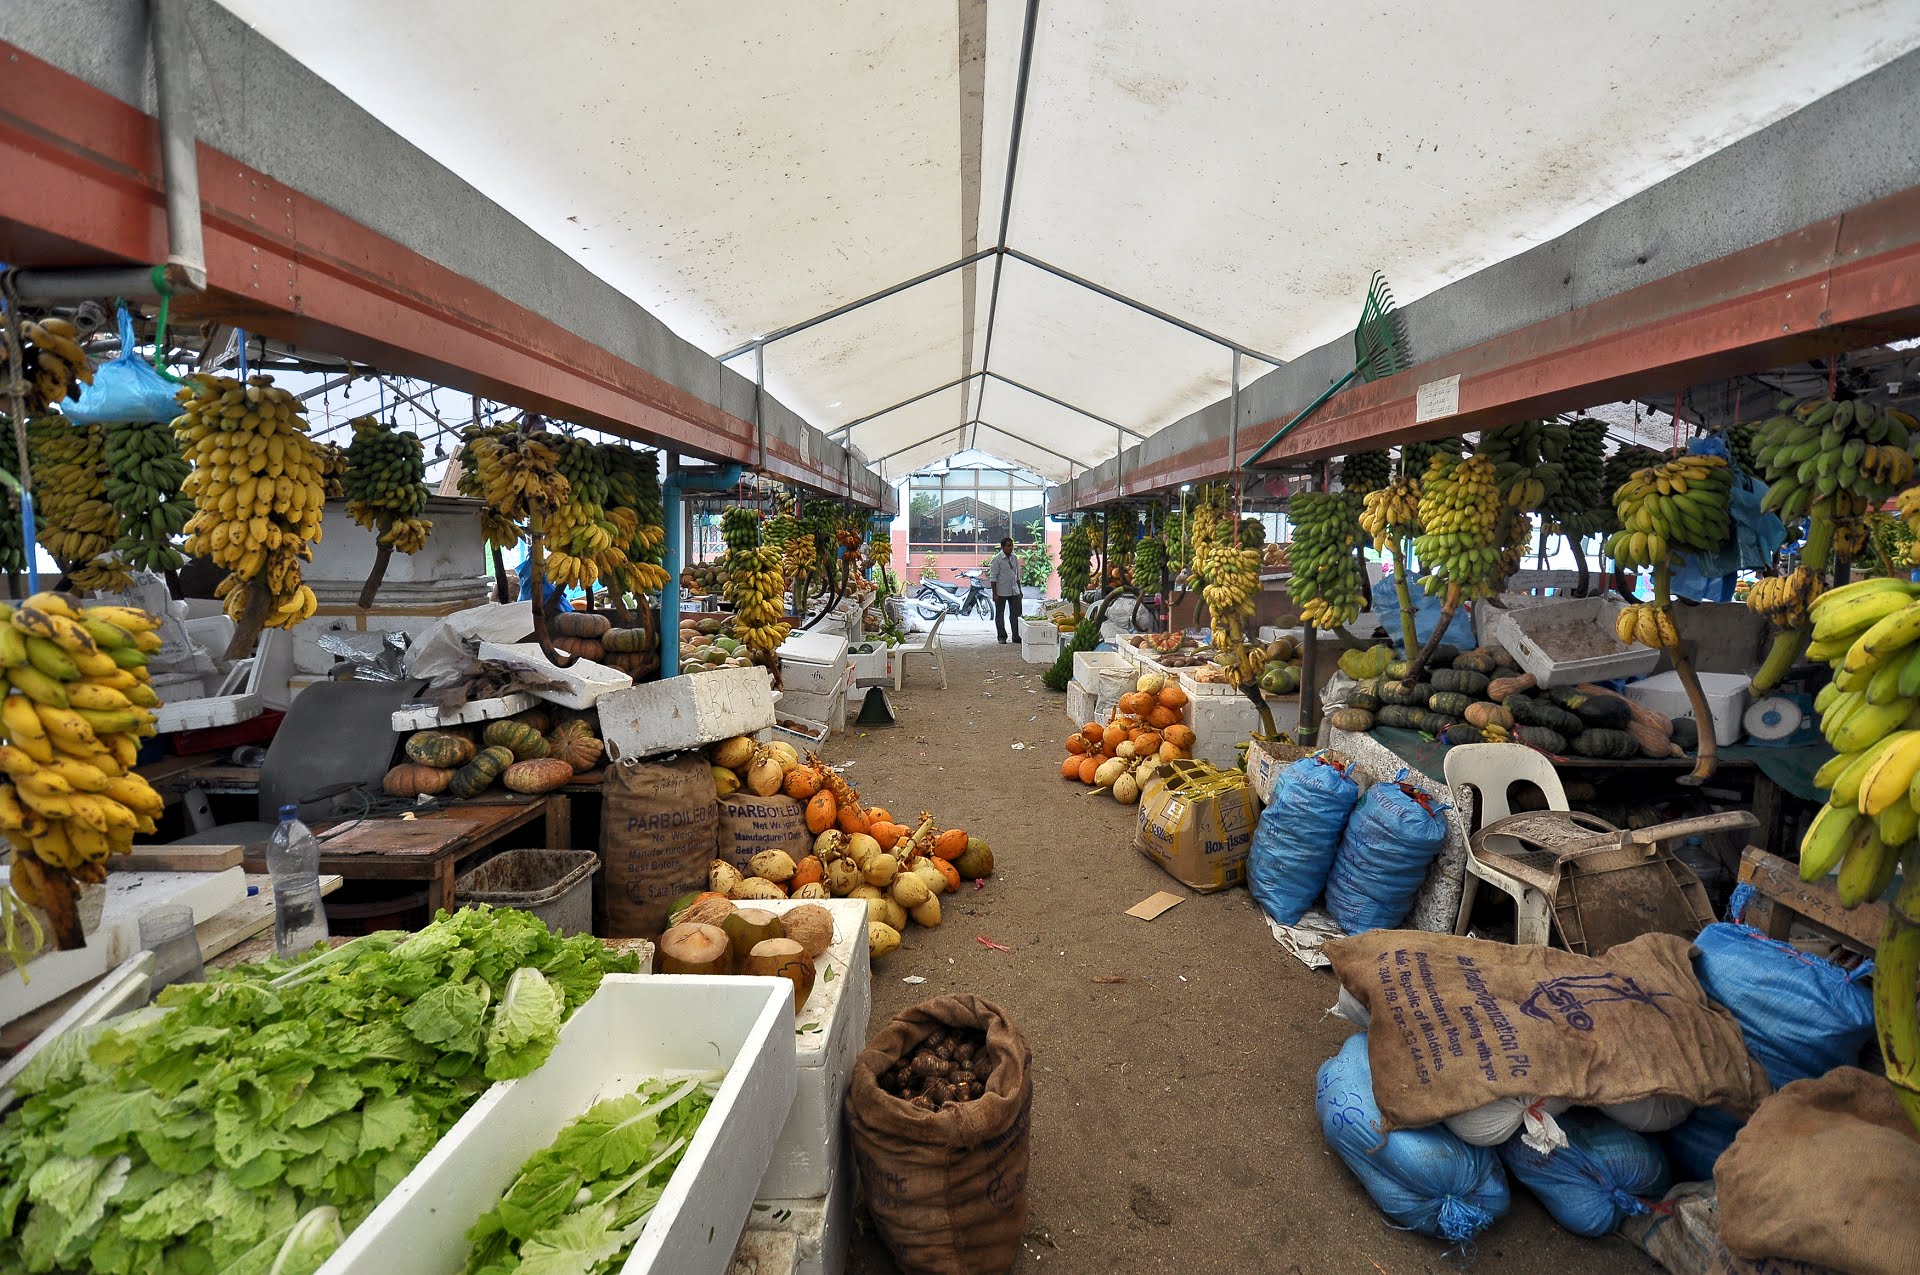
{"x":1426,"y":614}
{"x":1603,"y":1176}
{"x":1294,"y":844}
{"x":125,"y":388}
{"x":1800,"y":1016}
{"x":1383,"y":857}
{"x":1697,"y":1142}
{"x":1424,"y":1180}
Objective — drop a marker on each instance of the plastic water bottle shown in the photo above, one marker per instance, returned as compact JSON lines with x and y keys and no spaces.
{"x":293,"y":858}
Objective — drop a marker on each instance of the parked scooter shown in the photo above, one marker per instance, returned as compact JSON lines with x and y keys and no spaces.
{"x":950,"y":597}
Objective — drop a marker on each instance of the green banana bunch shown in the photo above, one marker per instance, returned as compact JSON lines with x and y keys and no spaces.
{"x":13,"y":536}
{"x":1416,"y":458}
{"x":633,"y":484}
{"x":1575,"y":506}
{"x":1149,"y":563}
{"x":1076,"y":561}
{"x":1363,"y":472}
{"x":1742,"y":440}
{"x":1460,"y":509}
{"x":740,"y":529}
{"x":1526,"y":461}
{"x":74,"y":520}
{"x":1678,"y":506}
{"x":386,"y":484}
{"x":1850,"y":453}
{"x":1326,"y":581}
{"x":145,"y":473}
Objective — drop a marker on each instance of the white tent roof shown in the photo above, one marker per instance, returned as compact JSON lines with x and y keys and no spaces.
{"x":1241,"y":165}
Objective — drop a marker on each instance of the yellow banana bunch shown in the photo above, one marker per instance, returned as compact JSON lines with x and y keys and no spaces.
{"x":1678,"y":506}
{"x":1233,"y":582}
{"x":1460,"y":512}
{"x":1784,"y":600}
{"x":756,"y":587}
{"x":1647,"y":624}
{"x":259,"y":484}
{"x":75,"y":521}
{"x":480,"y":474}
{"x":52,"y":364}
{"x":1392,"y":513}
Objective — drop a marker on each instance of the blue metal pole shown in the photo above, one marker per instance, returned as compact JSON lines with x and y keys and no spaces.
{"x":709,"y":480}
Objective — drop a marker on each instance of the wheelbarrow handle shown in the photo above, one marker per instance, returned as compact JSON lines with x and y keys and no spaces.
{"x":1726,"y":821}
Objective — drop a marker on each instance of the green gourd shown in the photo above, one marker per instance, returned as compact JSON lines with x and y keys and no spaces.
{"x":1466,"y":681}
{"x":437,"y":748}
{"x":1605,"y":711}
{"x":1400,"y":693}
{"x":1452,"y":703}
{"x":1464,"y":733}
{"x":1598,"y":741}
{"x":1547,"y":741}
{"x":487,"y":765}
{"x":1538,"y":712}
{"x":522,"y":740}
{"x":625,"y":641}
{"x":1399,"y":716}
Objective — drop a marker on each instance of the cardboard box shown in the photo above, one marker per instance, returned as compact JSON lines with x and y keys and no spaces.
{"x":1197,"y":823}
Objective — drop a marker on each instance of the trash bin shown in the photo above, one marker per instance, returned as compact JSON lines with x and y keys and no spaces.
{"x":554,"y":885}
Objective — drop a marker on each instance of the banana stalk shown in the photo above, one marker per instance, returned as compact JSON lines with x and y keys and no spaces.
{"x":1706,"y":760}
{"x":1447,"y":610}
{"x":536,"y":554}
{"x":1789,"y":643}
{"x":1896,"y":970}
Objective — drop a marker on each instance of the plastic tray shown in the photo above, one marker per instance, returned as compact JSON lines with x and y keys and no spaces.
{"x":1513,"y":629}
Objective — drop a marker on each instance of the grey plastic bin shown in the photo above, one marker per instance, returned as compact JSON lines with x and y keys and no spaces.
{"x":554,"y":885}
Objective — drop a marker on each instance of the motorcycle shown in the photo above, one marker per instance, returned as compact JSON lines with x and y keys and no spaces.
{"x":934,"y":596}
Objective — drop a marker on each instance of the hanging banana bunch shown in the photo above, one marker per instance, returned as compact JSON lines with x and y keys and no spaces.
{"x":633,"y":484}
{"x":1417,"y":458}
{"x":1076,"y":563}
{"x":1149,"y":564}
{"x":1365,"y":472}
{"x":1326,"y":581}
{"x":13,"y":531}
{"x":386,"y":490}
{"x":1391,"y":515}
{"x":146,"y":474}
{"x":1527,"y":468}
{"x":74,"y":520}
{"x":77,"y":703}
{"x":585,"y":543}
{"x":481,"y":477}
{"x":755,"y":585}
{"x":1458,"y":545}
{"x":333,"y":470}
{"x":1574,"y":509}
{"x":52,"y":364}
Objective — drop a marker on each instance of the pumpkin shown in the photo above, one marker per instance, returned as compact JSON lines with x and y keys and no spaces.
{"x":635,"y":664}
{"x":1489,"y":715}
{"x":1547,"y":741}
{"x":1094,"y":732}
{"x":1463,"y":681}
{"x":538,"y":774}
{"x":802,"y":782}
{"x":522,"y":740}
{"x":948,"y":873}
{"x":1173,"y":697}
{"x":1162,"y":717}
{"x":1600,"y":741}
{"x":625,"y":641}
{"x":1076,"y":744}
{"x":585,"y":648}
{"x":1070,"y":766}
{"x":1136,"y":703}
{"x":1355,"y":721}
{"x":1181,"y":737}
{"x":1147,"y":742}
{"x":537,"y":718}
{"x":821,"y":812}
{"x":487,"y":765}
{"x":438,"y":748}
{"x":949,"y":843}
{"x":850,"y":821}
{"x":1089,"y":767}
{"x":1452,"y":703}
{"x":1501,"y":687}
{"x":579,"y":624}
{"x":412,"y":779}
{"x":574,"y":743}
{"x":1462,"y":733}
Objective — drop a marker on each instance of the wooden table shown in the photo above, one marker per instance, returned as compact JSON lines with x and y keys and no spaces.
{"x":1781,"y":898}
{"x":429,"y":847}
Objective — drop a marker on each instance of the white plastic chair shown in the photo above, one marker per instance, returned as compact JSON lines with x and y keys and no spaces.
{"x":1490,"y":770}
{"x":927,"y":643}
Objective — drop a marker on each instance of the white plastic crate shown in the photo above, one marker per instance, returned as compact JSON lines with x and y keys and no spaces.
{"x":1088,"y":665}
{"x":584,"y":680}
{"x":634,"y":1028}
{"x":1595,"y":616}
{"x":689,"y":711}
{"x":1726,"y":700}
{"x":1080,"y":703}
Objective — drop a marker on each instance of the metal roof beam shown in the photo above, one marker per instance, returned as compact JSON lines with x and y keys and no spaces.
{"x":1071,"y":407}
{"x":905,"y":402}
{"x":951,"y":429}
{"x":780,"y":334}
{"x":1028,"y":442}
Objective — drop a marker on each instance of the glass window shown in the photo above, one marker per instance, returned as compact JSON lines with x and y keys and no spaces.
{"x":970,"y":511}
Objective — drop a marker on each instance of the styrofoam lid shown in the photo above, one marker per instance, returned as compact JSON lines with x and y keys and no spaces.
{"x":813,"y":648}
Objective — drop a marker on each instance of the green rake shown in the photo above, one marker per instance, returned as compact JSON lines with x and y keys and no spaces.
{"x":1379,"y":349}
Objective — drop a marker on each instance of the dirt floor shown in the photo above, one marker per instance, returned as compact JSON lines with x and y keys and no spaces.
{"x":1173,"y":1125}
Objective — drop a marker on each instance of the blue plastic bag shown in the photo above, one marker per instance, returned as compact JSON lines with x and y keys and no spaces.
{"x":1426,"y":614}
{"x":1294,"y":844}
{"x":125,"y":388}
{"x":1800,"y":1016}
{"x":1597,"y":1180}
{"x":1697,"y":1142}
{"x":1383,"y":857}
{"x":1424,"y":1180}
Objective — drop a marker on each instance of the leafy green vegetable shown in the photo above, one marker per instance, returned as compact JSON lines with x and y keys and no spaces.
{"x":578,"y":1205}
{"x":245,"y":1124}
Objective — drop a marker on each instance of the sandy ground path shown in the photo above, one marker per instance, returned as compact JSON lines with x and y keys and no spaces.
{"x":1173,"y":1124}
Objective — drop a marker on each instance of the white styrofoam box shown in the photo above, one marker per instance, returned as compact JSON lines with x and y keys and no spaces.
{"x":871,"y":666}
{"x":1197,"y":689}
{"x":479,"y":710}
{"x":584,"y":680}
{"x":636,"y":1027}
{"x":828,"y":1035}
{"x":128,"y":895}
{"x":1038,"y":632}
{"x":448,"y":640}
{"x":1726,"y":700}
{"x":1033,"y":654}
{"x":801,"y":1237}
{"x":1109,"y":685}
{"x":807,"y":705}
{"x":1088,"y":665}
{"x":1220,"y":725}
{"x":206,"y":713}
{"x":1080,"y":703}
{"x":689,"y":711}
{"x":1586,"y":615}
{"x":812,"y":662}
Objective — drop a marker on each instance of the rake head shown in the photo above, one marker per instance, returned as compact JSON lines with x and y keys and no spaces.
{"x":1380,"y":341}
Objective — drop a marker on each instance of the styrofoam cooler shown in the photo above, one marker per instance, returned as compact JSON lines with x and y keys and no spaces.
{"x":799,"y":1237}
{"x":689,"y":711}
{"x":1038,"y":632}
{"x":1080,"y":703}
{"x":1088,"y":665}
{"x":636,"y":1027}
{"x":1726,"y":700}
{"x":812,"y":663}
{"x":828,"y":708}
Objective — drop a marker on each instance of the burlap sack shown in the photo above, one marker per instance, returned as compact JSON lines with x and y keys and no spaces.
{"x":947,"y":1189}
{"x":1825,"y":1172}
{"x":750,"y":824}
{"x":1683,"y":1235}
{"x":1458,"y":1022}
{"x":659,"y":827}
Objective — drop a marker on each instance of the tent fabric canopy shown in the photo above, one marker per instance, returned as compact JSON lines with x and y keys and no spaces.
{"x":1238,"y":166}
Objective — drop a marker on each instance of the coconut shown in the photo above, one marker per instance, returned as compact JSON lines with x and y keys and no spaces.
{"x":1151,"y":683}
{"x":909,"y":891}
{"x":976,"y":860}
{"x":811,"y":890}
{"x":733,"y":753}
{"x":842,"y":875}
{"x":784,"y":753}
{"x":748,"y":926}
{"x":1110,"y":770}
{"x":831,"y":845}
{"x":928,"y":913}
{"x":725,"y":782}
{"x":896,"y":915}
{"x":756,"y":888}
{"x":692,"y":948}
{"x":782,"y":958}
{"x":811,"y":927}
{"x":880,"y":868}
{"x":722,"y":877}
{"x":861,"y":847}
{"x":773,"y":865}
{"x":881,"y":939}
{"x":764,"y":775}
{"x":709,"y":910}
{"x":1125,"y":790}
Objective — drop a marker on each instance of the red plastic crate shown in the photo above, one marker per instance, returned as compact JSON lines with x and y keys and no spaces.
{"x":224,"y":739}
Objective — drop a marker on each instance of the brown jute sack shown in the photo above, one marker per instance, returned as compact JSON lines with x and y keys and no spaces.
{"x":947,"y":1189}
{"x":1825,"y":1172}
{"x":658,"y":829}
{"x":1458,"y":1022}
{"x":750,"y":824}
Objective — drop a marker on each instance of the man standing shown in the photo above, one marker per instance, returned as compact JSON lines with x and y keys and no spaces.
{"x":1003,"y":576}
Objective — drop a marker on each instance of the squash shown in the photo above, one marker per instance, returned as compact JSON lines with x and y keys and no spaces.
{"x":1136,"y":703}
{"x":538,"y":718}
{"x":635,"y":664}
{"x":1640,"y":712}
{"x":1402,"y":694}
{"x":1485,"y":714}
{"x":1547,"y":741}
{"x":1478,"y":660}
{"x":538,"y":774}
{"x":821,"y":812}
{"x":1598,"y":741}
{"x":1173,"y":697}
{"x":1365,"y":697}
{"x":950,"y":843}
{"x":1500,"y":688}
{"x":1686,"y":733}
{"x":1538,"y":712}
{"x":438,"y":748}
{"x":1356,"y":721}
{"x":1604,"y":711}
{"x":1434,"y":724}
{"x":1462,"y":733}
{"x":413,"y":779}
{"x":1179,"y":736}
{"x":487,"y":765}
{"x":522,"y":740}
{"x":1653,"y":742}
{"x":1396,"y":671}
{"x":1443,"y":656}
{"x":579,"y":624}
{"x":574,"y":743}
{"x":1398,"y":716}
{"x":1465,"y":681}
{"x":976,"y":861}
{"x":585,"y":648}
{"x":1452,"y":703}
{"x":626,"y":641}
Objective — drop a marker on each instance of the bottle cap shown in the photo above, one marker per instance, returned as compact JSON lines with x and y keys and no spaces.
{"x":288,"y":812}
